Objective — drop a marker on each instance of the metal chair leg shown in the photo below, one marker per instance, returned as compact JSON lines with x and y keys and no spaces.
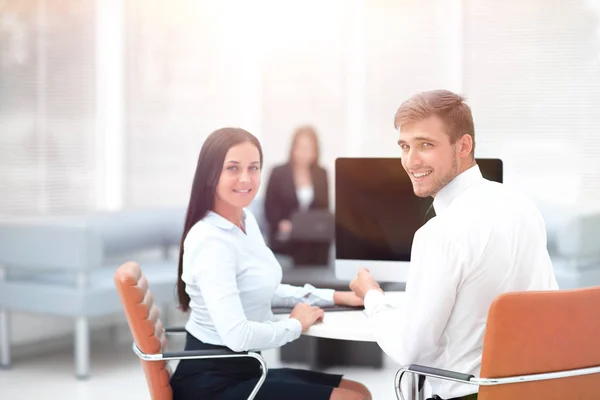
{"x":413,"y":386}
{"x":4,"y":339}
{"x":164,"y":314}
{"x":413,"y":390}
{"x":82,"y":348}
{"x":419,"y":392}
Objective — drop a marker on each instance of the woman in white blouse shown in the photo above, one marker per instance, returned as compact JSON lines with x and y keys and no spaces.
{"x":229,"y":280}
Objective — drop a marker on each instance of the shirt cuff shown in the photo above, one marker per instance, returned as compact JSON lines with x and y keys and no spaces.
{"x":373,"y":298}
{"x":325,"y":296}
{"x":294,"y":326}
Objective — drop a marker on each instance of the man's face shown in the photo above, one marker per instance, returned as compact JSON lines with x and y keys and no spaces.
{"x":428,"y":157}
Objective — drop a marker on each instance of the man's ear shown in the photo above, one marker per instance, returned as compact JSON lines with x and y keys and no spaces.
{"x":466,"y":145}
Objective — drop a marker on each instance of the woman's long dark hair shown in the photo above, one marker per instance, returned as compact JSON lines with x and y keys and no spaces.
{"x":204,"y":187}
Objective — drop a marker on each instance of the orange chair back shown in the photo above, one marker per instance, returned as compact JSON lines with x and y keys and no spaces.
{"x":538,"y":332}
{"x":146,"y":328}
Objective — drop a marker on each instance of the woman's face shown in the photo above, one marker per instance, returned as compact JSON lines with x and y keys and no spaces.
{"x":305,"y":152}
{"x":240,"y":176}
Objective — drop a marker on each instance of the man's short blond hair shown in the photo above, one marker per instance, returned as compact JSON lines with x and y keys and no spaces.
{"x":449,"y":107}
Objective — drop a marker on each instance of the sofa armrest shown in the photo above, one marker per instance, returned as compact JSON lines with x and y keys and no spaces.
{"x":49,"y":244}
{"x":579,"y":238}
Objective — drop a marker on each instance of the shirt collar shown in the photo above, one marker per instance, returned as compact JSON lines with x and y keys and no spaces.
{"x":458,"y":185}
{"x":221,"y":222}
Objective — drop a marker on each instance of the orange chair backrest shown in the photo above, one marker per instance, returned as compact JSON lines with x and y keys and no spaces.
{"x":145,"y":326}
{"x":538,"y":332}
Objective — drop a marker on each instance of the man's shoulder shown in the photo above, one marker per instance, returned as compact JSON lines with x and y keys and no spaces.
{"x":440,"y":228}
{"x":493,"y":205}
{"x":495,"y":195}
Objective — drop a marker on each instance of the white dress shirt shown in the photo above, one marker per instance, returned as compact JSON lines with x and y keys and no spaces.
{"x":233,"y":279}
{"x":485,"y":240}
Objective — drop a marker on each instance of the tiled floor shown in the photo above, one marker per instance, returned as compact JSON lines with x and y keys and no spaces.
{"x":116,"y":374}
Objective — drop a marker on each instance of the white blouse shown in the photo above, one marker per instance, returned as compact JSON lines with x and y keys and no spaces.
{"x":233,"y":279}
{"x":306,"y":195}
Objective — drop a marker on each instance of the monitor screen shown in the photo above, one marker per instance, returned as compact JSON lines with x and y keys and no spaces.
{"x":376,"y":210}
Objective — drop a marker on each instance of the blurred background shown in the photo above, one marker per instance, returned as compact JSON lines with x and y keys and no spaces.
{"x":104,"y":106}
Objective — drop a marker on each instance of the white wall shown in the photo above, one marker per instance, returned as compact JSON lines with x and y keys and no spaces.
{"x":345,"y":66}
{"x":530,"y":72}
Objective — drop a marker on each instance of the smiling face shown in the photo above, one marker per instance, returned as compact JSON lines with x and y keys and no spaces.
{"x":240,"y":177}
{"x":429,"y":157}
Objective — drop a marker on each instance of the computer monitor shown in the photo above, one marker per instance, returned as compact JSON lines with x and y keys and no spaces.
{"x":377,"y":215}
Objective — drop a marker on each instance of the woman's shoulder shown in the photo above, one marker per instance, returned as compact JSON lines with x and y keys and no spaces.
{"x":281,"y":169}
{"x":204,"y":231}
{"x":250,"y":218}
{"x":322,"y":169}
{"x":319,"y":172}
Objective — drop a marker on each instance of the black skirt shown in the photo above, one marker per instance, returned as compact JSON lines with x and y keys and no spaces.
{"x":234,"y":379}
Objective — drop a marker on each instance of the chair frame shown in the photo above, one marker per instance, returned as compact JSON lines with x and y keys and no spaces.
{"x":203,"y":354}
{"x":421,"y":370}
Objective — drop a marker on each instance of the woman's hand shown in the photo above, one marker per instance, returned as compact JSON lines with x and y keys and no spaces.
{"x":285,"y":226}
{"x":307,"y":315}
{"x":347,"y":299}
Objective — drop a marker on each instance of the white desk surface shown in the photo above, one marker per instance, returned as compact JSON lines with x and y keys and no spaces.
{"x":346,"y":325}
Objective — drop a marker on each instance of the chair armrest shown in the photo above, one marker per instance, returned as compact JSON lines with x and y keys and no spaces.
{"x":440,"y":373}
{"x":206,"y":354}
{"x":197,"y":354}
{"x":421,"y":371}
{"x":471,"y":380}
{"x":175,"y":329}
{"x":178,"y":355}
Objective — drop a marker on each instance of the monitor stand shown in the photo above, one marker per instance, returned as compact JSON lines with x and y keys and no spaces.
{"x":382,"y":271}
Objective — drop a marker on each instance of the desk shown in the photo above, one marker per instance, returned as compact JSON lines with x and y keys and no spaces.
{"x":322,"y":348}
{"x":347,"y":325}
{"x":322,"y":276}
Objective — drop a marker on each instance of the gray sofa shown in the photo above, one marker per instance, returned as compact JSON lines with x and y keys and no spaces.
{"x":574,"y":245}
{"x":64,"y":266}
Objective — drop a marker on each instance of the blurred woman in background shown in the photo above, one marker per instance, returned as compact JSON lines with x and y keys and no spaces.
{"x":300,"y":184}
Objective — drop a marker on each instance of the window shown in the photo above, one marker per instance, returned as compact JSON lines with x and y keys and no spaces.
{"x":47,"y":107}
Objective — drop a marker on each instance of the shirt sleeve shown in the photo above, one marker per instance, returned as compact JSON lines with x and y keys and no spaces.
{"x":214,"y":272}
{"x":289,"y":296}
{"x":412,"y":332}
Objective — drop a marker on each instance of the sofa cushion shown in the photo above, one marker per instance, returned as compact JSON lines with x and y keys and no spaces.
{"x":57,"y":292}
{"x":157,"y":272}
{"x":132,"y":230}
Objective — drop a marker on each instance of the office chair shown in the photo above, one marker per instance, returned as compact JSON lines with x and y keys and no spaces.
{"x":149,"y":336}
{"x":537,"y":345}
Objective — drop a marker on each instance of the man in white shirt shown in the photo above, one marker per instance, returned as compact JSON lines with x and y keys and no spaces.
{"x":484,"y":240}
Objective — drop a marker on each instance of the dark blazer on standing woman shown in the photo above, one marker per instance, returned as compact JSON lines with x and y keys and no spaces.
{"x":281,"y":200}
